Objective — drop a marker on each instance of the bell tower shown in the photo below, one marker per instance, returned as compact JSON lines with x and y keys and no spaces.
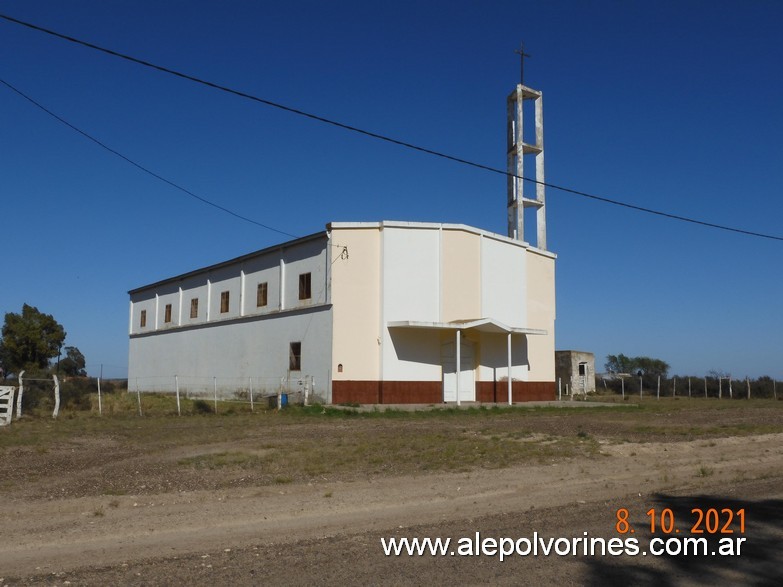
{"x":522,"y":155}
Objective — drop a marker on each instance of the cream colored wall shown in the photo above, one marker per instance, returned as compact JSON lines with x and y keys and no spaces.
{"x":356,"y":298}
{"x":541,"y":314}
{"x":460,"y":290}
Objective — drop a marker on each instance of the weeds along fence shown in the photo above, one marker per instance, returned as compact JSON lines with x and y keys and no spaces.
{"x":47,"y":395}
{"x":246,"y":390}
{"x":693,"y":387}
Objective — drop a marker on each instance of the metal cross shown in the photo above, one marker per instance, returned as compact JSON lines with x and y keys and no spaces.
{"x":522,"y":55}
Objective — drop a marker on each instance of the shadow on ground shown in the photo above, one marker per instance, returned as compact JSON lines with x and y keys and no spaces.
{"x":759,"y":562}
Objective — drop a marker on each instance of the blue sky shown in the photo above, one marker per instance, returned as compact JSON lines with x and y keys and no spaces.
{"x":667,"y":105}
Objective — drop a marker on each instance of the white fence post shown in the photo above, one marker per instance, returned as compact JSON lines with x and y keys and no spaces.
{"x":19,"y":396}
{"x":100,"y":405}
{"x":176,"y":386}
{"x":747,"y":380}
{"x":56,"y":396}
{"x":214,"y":385}
{"x":658,"y":395}
{"x":251,"y":394}
{"x":138,"y":396}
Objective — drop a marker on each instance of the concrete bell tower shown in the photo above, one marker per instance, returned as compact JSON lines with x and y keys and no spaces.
{"x":518,"y":153}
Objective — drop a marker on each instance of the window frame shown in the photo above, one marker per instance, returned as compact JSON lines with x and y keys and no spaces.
{"x":305,"y":286}
{"x":225,"y":301}
{"x":262,"y":294}
{"x":193,"y":308}
{"x":295,"y":356}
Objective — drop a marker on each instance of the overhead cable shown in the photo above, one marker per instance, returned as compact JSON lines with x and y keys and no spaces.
{"x":140,"y":166}
{"x":385,"y":138}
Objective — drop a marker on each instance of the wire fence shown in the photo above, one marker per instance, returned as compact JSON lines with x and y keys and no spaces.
{"x":693,"y":387}
{"x":231,"y":389}
{"x":43,"y":393}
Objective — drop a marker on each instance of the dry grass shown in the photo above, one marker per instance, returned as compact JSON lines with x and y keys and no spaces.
{"x":301,"y":444}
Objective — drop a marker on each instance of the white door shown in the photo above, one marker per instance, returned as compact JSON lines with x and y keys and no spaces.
{"x":467,"y":383}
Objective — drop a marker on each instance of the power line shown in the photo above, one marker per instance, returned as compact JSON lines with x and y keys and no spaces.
{"x":382,"y":137}
{"x":141,"y":167}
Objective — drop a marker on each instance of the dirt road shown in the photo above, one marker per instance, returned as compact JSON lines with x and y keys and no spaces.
{"x":329,"y":531}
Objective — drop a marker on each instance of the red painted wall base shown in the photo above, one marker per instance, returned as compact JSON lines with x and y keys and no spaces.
{"x":431,"y":392}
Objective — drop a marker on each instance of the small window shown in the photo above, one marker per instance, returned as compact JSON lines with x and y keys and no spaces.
{"x":194,"y":308}
{"x":304,"y":286}
{"x":143,"y":319}
{"x":261,"y":295}
{"x":295,"y":356}
{"x":224,"y":302}
{"x":582,"y":369}
{"x":167,"y":314}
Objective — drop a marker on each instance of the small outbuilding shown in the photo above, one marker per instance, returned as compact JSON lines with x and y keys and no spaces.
{"x":575,"y":369}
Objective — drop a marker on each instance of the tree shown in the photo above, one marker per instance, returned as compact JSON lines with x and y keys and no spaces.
{"x":74,"y":362}
{"x":635,"y":365}
{"x":30,"y":340}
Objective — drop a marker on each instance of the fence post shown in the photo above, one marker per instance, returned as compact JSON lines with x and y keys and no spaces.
{"x":251,"y":394}
{"x":689,"y":387}
{"x":176,"y":388}
{"x":214,"y":386}
{"x":622,"y":382}
{"x":19,"y":396}
{"x":641,"y":385}
{"x":674,"y":387}
{"x":658,"y":395}
{"x":56,"y":396}
{"x":731,"y":392}
{"x":747,"y":379}
{"x":138,"y":396}
{"x":705,"y":387}
{"x":100,"y":404}
{"x":720,"y":387}
{"x":775,"y":388}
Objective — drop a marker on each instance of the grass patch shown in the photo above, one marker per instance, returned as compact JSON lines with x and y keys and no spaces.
{"x":219,"y":460}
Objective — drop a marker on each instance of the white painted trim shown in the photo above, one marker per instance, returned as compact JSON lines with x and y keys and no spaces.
{"x":510,"y":386}
{"x":458,"y":363}
{"x":482,"y":325}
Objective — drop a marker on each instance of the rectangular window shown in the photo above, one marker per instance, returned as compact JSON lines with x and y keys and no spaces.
{"x":224,"y":302}
{"x":261,"y":295}
{"x":304,"y":286}
{"x":167,"y":314}
{"x":194,"y":308}
{"x":143,"y":319}
{"x":295,"y":356}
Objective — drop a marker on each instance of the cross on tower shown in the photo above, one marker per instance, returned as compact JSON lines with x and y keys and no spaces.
{"x":522,"y":55}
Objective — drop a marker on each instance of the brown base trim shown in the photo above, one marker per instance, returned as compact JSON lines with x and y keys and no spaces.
{"x":431,"y":392}
{"x":521,"y":391}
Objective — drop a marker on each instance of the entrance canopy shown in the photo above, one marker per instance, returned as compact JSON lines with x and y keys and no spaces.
{"x":489,"y":325}
{"x":459,"y":327}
